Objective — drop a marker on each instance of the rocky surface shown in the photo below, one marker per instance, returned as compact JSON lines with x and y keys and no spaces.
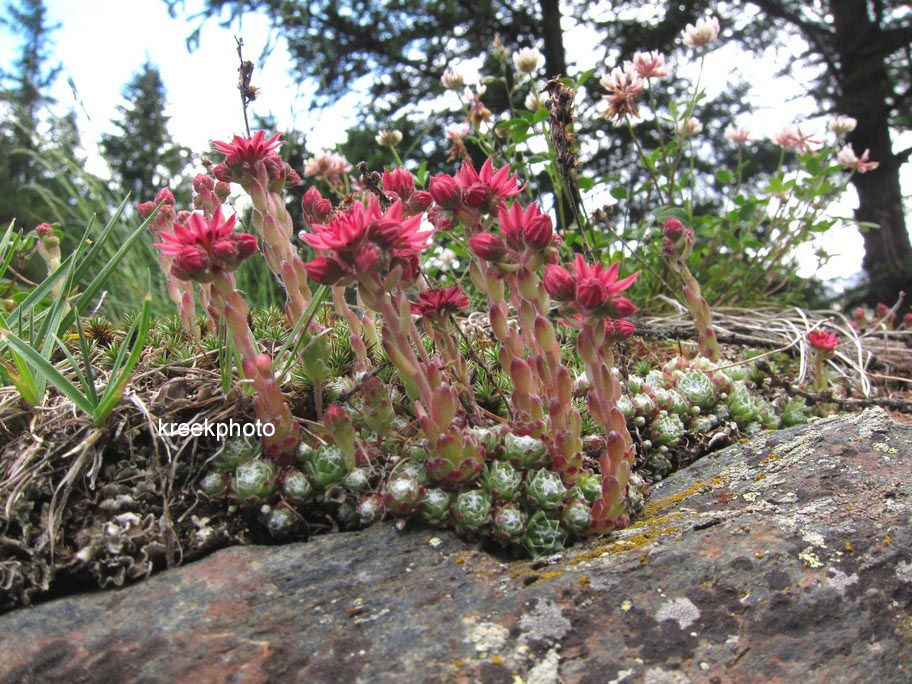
{"x":781,"y":559}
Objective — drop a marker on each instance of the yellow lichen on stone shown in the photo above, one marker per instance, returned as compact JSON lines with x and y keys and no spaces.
{"x":810,"y":559}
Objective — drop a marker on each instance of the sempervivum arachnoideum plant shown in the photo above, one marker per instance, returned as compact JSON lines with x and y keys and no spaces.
{"x":688,"y":399}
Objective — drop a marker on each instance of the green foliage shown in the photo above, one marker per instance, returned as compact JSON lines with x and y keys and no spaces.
{"x":34,"y":325}
{"x":142,"y":155}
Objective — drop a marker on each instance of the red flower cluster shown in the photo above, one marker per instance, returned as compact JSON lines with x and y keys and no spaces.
{"x":367,"y":240}
{"x":677,"y":239}
{"x":470,"y":194}
{"x":248,"y":151}
{"x":203,"y":248}
{"x":246,"y":157}
{"x":316,"y":208}
{"x":823,"y":340}
{"x":439,"y":302}
{"x":528,"y":228}
{"x":592,"y":289}
{"x":401,"y":184}
{"x":166,"y":214}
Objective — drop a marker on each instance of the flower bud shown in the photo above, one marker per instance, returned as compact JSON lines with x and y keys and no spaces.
{"x":445,"y":191}
{"x":539,"y":231}
{"x":367,"y":256}
{"x":621,"y":307}
{"x":591,"y":293}
{"x":325,"y":270}
{"x":222,"y":173}
{"x":475,"y":195}
{"x":559,"y":283}
{"x":317,"y":209}
{"x":619,"y":330}
{"x":398,"y":181}
{"x":441,"y":219}
{"x":488,"y":246}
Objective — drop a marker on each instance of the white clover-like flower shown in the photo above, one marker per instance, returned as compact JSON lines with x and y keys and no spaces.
{"x":388,"y":138}
{"x":792,"y":137}
{"x":534,"y":101}
{"x":452,"y":79}
{"x":527,"y":60}
{"x":847,"y":157}
{"x":738,"y":134}
{"x":457,"y":131}
{"x":649,"y":65}
{"x":688,"y":128}
{"x":703,"y":33}
{"x":327,"y":165}
{"x":843,"y":124}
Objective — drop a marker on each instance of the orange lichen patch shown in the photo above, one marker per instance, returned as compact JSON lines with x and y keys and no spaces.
{"x":584,"y":581}
{"x":848,"y":547}
{"x":649,"y":527}
{"x":761,"y":476}
{"x":769,"y":459}
{"x":653,"y":507}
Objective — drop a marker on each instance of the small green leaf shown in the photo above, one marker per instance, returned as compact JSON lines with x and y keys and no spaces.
{"x":619,"y":193}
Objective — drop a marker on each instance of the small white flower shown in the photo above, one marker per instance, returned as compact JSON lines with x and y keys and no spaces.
{"x":527,"y":60}
{"x":843,"y":124}
{"x":452,"y":79}
{"x":688,"y":128}
{"x":705,"y":32}
{"x":388,"y":138}
{"x":649,"y":64}
{"x":850,"y":160}
{"x":739,"y":134}
{"x":457,"y":131}
{"x":534,"y":101}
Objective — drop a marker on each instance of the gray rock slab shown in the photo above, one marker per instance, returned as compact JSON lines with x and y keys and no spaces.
{"x":785,"y":558}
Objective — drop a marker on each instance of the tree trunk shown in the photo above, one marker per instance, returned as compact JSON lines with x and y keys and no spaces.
{"x":555,"y":59}
{"x":863,"y":92}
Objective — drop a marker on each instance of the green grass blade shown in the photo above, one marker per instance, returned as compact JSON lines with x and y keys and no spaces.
{"x":296,"y":338}
{"x":47,"y":369}
{"x":22,"y":378}
{"x":115,"y":388}
{"x":87,"y":386}
{"x":8,"y":245}
{"x":89,"y":380}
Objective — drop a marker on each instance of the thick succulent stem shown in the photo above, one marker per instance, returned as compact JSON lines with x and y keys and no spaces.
{"x":699,"y":308}
{"x":274,"y":224}
{"x":616,"y":461}
{"x":269,"y":404}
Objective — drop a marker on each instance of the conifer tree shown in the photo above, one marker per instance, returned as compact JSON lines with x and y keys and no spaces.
{"x":142,"y":156}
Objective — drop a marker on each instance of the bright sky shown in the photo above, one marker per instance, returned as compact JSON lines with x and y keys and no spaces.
{"x":102,"y":44}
